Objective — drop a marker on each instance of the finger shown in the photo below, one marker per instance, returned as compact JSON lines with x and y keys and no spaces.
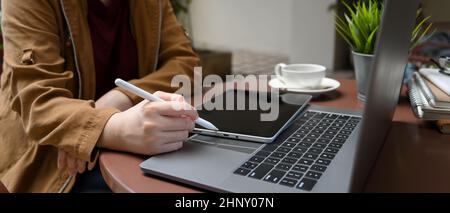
{"x":61,"y":159}
{"x":171,"y":147}
{"x":91,"y":166}
{"x":81,"y":166}
{"x":170,"y":124}
{"x":173,"y":137}
{"x":72,"y":165}
{"x":170,"y":96}
{"x":175,"y":109}
{"x":142,"y":103}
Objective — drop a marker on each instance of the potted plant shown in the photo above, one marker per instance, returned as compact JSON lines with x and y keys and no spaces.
{"x":359,"y":28}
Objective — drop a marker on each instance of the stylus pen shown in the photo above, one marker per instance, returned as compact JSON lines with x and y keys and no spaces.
{"x":146,"y":95}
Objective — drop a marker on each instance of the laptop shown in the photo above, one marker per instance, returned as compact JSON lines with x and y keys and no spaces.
{"x":324,"y":150}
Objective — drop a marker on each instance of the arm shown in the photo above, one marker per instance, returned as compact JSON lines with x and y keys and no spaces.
{"x":176,"y":57}
{"x":49,"y":112}
{"x":114,"y":99}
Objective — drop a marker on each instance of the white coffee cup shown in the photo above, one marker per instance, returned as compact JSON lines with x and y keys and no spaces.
{"x":301,"y":76}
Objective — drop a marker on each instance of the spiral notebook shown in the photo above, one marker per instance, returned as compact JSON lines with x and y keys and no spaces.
{"x":422,"y":109}
{"x":438,"y":79}
{"x":436,"y":97}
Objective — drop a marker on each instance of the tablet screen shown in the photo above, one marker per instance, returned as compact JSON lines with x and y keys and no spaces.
{"x":249,"y":121}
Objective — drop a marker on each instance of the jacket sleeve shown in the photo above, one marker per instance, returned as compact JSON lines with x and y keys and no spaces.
{"x":176,"y":57}
{"x":37,"y":80}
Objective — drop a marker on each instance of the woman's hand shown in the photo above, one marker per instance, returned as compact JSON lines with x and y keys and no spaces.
{"x":112,"y":99}
{"x":73,"y":164}
{"x":150,"y":128}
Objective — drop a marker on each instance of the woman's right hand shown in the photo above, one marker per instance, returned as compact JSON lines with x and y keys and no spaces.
{"x":150,"y":128}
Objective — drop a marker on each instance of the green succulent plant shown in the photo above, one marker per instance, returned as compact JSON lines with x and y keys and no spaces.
{"x":360,"y":24}
{"x":180,"y":6}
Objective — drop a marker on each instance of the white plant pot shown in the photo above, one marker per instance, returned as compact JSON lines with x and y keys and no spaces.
{"x":363,"y":67}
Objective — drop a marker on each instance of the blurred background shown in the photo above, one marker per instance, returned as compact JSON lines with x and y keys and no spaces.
{"x":251,"y":36}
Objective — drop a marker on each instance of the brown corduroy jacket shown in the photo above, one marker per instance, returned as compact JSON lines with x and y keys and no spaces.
{"x":48,"y":83}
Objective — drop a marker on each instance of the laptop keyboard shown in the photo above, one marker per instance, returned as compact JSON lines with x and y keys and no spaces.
{"x":300,"y":160}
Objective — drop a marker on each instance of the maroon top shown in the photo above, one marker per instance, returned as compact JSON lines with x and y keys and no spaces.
{"x":115,"y":49}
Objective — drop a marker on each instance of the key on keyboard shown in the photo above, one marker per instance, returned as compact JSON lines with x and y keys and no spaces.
{"x":304,"y":154}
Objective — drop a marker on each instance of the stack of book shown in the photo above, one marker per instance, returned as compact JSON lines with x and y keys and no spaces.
{"x":430,"y":97}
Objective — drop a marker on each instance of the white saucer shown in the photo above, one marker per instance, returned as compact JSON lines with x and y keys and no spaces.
{"x":328,"y":85}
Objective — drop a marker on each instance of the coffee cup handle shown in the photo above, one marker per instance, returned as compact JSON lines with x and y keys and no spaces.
{"x":278,"y":71}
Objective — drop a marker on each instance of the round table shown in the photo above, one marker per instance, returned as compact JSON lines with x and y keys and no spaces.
{"x":415,"y":157}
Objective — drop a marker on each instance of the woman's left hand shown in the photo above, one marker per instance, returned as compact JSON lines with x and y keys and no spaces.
{"x":114,"y":99}
{"x":73,"y":164}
